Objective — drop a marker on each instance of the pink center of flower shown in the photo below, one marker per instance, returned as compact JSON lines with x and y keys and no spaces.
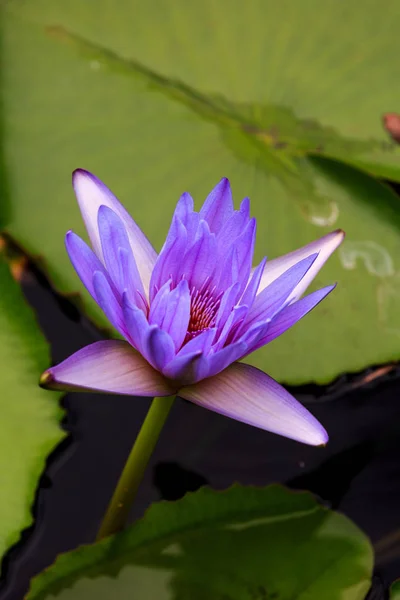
{"x":203,"y":311}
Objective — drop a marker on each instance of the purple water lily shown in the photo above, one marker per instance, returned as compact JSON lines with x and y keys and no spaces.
{"x":191,"y":312}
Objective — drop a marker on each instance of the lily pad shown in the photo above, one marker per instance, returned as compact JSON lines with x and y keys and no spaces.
{"x":241,"y":544}
{"x":29,"y":427}
{"x":160,"y":99}
{"x":395,"y":590}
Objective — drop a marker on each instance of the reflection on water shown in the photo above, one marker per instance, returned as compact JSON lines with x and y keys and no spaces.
{"x":372,"y":256}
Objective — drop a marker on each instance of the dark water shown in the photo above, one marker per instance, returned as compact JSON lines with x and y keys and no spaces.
{"x":358,"y":472}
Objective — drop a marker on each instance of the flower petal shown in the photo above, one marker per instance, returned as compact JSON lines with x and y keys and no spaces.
{"x":137,"y":326}
{"x":217,"y":362}
{"x":172,"y":311}
{"x":159,"y":347}
{"x":228,"y":301}
{"x":131,"y":281}
{"x":247,"y":394}
{"x":91,"y":193}
{"x":198,"y":264}
{"x":277,"y":294}
{"x":232,"y":323}
{"x":227,"y":271}
{"x":201,"y":342}
{"x":254,"y":283}
{"x":184,"y":208}
{"x":290,"y":315}
{"x":234,"y":226}
{"x":109,"y":366}
{"x":218,"y":206}
{"x":324,"y":247}
{"x":184,"y":368}
{"x":108,"y":302}
{"x":169,"y":260}
{"x":84,"y":261}
{"x":118,"y":256}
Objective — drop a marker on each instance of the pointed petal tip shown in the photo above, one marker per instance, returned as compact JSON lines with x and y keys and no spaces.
{"x":340,"y":231}
{"x":318,"y":437}
{"x":46,"y":379}
{"x":80,"y":173}
{"x":340,"y":235}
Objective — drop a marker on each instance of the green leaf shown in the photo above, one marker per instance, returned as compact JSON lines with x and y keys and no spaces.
{"x":333,"y":70}
{"x":29,"y":427}
{"x":395,"y":590}
{"x":241,"y":544}
{"x":157,"y":99}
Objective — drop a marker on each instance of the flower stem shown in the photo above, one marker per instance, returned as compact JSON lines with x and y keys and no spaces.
{"x":128,"y":484}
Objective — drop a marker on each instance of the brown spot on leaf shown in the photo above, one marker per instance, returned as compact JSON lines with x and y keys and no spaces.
{"x":18,"y":266}
{"x":391,"y":122}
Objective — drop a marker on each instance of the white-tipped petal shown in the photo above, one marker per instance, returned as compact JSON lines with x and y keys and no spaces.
{"x":91,"y":193}
{"x":323,"y":246}
{"x":109,"y":366}
{"x":247,"y":394}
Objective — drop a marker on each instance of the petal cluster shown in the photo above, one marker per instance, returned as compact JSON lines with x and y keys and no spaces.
{"x":191,"y":312}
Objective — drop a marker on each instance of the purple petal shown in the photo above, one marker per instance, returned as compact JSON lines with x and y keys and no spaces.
{"x":218,"y":206}
{"x":172,"y":311}
{"x":110,"y":366}
{"x":184,"y":208}
{"x":131,"y":282}
{"x":253,"y":335}
{"x":84,"y":261}
{"x":324,"y":247}
{"x":184,"y":368}
{"x":115,"y":245}
{"x":200,"y":343}
{"x":235,"y":261}
{"x":192,"y":222}
{"x":158,"y":305}
{"x":199,"y":261}
{"x":227,"y":303}
{"x":234,"y":226}
{"x":154,"y":344}
{"x":177,"y":314}
{"x":247,"y":394}
{"x":136,"y":324}
{"x":170,"y":258}
{"x":228,"y":272}
{"x":108,"y":302}
{"x":159,"y":347}
{"x":237,"y":315}
{"x":245,"y":208}
{"x":112,"y":237}
{"x":244,"y":245}
{"x":272,"y":298}
{"x":91,"y":193}
{"x":290,"y":315}
{"x":217,"y":362}
{"x":252,"y":287}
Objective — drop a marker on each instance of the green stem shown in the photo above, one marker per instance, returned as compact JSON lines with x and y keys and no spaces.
{"x":128,"y":484}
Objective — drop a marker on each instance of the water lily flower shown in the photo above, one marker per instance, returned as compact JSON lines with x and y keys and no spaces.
{"x":190,"y":313}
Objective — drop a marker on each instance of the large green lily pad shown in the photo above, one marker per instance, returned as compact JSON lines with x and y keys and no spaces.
{"x":241,"y":544}
{"x":29,"y":425}
{"x":158,"y":98}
